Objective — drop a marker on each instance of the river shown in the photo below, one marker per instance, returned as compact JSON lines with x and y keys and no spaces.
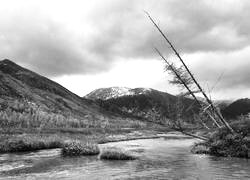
{"x":158,"y":159}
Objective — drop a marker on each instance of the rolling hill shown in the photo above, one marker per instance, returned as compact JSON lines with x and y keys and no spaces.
{"x":18,"y":83}
{"x":27,"y":95}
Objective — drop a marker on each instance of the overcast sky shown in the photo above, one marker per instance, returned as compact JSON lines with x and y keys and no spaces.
{"x":85,"y":45}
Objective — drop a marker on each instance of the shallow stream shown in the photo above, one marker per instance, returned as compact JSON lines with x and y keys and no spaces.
{"x":158,"y":159}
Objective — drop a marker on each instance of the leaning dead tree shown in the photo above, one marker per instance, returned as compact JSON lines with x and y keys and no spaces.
{"x":182,"y":78}
{"x":185,"y":77}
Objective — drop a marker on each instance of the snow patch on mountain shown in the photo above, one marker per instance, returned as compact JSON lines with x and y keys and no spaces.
{"x":115,"y":92}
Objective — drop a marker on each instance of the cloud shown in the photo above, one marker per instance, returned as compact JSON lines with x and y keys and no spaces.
{"x":44,"y":45}
{"x":65,"y":37}
{"x":124,"y":73}
{"x":224,"y":74}
{"x":193,"y":27}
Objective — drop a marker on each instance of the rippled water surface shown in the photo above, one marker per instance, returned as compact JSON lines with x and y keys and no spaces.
{"x":158,"y":159}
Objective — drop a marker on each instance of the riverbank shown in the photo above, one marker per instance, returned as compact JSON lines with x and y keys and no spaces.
{"x":224,"y":143}
{"x":22,"y":142}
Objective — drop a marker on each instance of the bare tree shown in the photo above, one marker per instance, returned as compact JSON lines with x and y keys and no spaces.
{"x":188,"y":77}
{"x":181,"y":79}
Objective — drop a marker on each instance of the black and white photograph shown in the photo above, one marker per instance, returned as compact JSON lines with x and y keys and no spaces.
{"x":124,"y":90}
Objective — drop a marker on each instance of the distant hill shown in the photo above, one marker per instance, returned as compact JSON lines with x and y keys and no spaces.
{"x":25,"y":92}
{"x":222,"y":104}
{"x":145,"y":103}
{"x":237,"y":108}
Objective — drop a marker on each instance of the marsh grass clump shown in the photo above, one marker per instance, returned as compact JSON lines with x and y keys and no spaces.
{"x":77,"y":148}
{"x":113,"y":153}
{"x":23,"y":144}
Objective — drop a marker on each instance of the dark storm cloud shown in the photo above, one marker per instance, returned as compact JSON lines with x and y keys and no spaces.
{"x":193,"y":26}
{"x":120,"y":29}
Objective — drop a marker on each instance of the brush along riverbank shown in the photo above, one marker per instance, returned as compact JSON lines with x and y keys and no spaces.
{"x":224,"y":143}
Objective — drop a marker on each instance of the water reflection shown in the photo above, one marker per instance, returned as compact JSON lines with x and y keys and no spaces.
{"x":158,"y":159}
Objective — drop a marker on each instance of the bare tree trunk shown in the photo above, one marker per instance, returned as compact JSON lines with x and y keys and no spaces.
{"x":189,"y":134}
{"x":211,"y":117}
{"x":185,"y":85}
{"x":180,"y":129}
{"x":191,"y":75}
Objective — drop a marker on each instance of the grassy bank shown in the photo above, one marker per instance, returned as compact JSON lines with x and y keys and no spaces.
{"x":29,"y":143}
{"x":223,"y":143}
{"x":21,"y":140}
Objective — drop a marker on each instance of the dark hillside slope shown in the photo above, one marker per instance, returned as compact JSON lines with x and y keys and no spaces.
{"x":17,"y":82}
{"x":237,"y":108}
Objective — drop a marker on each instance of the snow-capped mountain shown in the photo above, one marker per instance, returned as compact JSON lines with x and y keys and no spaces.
{"x":149,"y":104}
{"x":115,"y":92}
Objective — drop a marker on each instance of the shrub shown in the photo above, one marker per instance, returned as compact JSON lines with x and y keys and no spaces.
{"x":34,"y":117}
{"x":230,"y":145}
{"x":116,"y":154}
{"x":223,"y":143}
{"x":76,"y":148}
